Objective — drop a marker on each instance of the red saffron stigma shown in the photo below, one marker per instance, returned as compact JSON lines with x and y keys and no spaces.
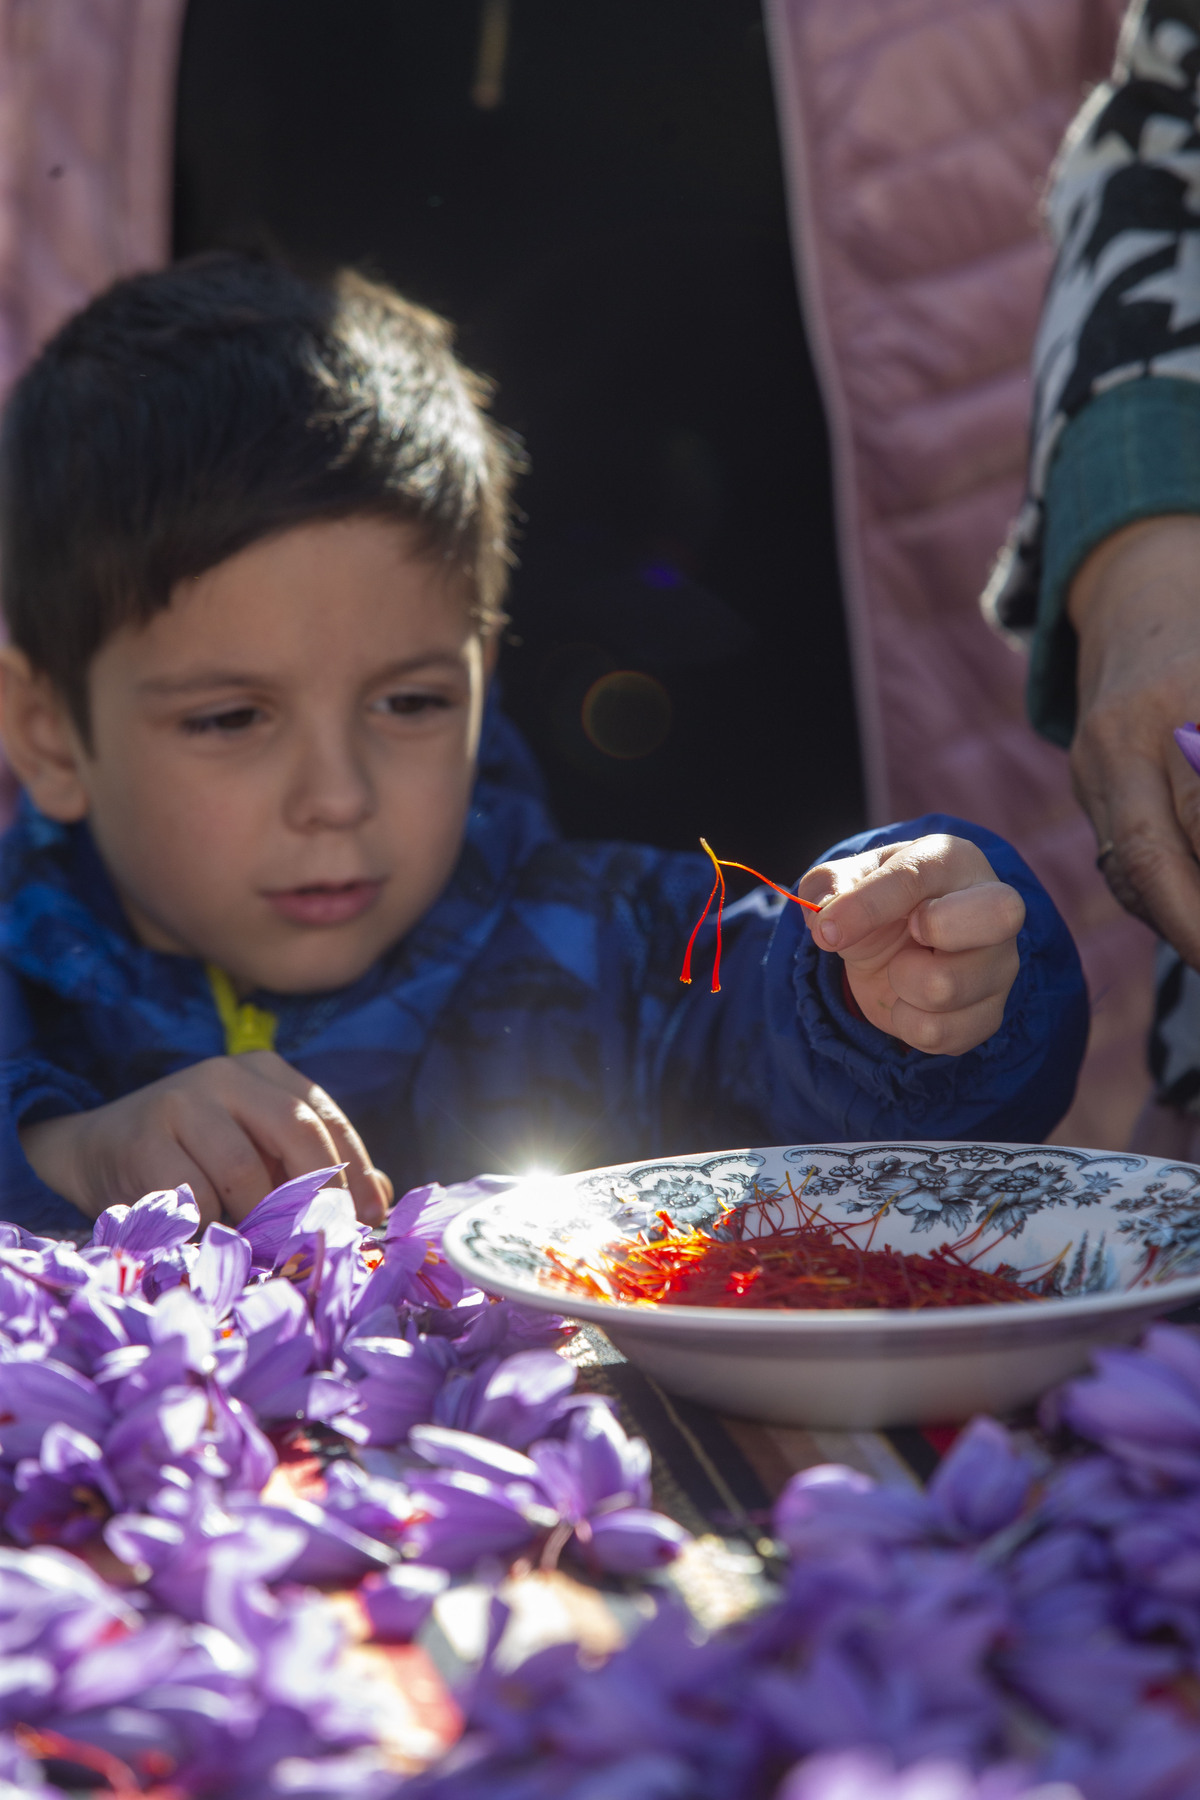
{"x":752,"y":1256}
{"x":720,"y":863}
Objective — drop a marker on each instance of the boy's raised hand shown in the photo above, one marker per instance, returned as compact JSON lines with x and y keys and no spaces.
{"x":928,"y":936}
{"x":232,"y":1127}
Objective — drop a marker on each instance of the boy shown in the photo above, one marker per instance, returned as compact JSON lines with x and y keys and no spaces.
{"x":282,"y":891}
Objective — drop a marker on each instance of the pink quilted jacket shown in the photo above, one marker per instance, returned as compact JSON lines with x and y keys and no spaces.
{"x":917,"y":134}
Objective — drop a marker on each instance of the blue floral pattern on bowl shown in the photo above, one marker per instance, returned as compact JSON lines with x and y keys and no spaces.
{"x":1109,"y":1208}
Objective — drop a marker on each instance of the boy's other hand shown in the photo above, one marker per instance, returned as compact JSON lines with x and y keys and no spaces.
{"x":233,"y":1128}
{"x":928,"y":937}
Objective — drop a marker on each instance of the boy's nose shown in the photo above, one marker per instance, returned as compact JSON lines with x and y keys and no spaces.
{"x":330,"y":788}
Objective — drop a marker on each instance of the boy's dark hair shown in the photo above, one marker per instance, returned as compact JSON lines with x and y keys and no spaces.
{"x":186,"y":413}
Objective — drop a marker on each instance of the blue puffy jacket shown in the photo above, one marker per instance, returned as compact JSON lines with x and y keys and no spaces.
{"x":534,"y":1016}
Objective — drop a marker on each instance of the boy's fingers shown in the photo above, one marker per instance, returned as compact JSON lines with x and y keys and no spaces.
{"x":925,"y":869}
{"x":937,"y":983}
{"x":369,"y":1187}
{"x":223,"y":1149}
{"x":366,"y":1183}
{"x":878,"y":898}
{"x":282,"y":1127}
{"x":826,"y":880}
{"x":971,"y":918}
{"x":205,"y":1194}
{"x":173,"y":1165}
{"x":948,"y":1034}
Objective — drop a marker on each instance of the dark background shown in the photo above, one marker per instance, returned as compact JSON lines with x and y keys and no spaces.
{"x":606,"y":224}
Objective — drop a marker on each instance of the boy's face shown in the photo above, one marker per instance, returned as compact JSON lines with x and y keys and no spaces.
{"x":283,"y":758}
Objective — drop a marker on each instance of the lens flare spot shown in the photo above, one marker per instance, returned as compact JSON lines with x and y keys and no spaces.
{"x":627,"y":714}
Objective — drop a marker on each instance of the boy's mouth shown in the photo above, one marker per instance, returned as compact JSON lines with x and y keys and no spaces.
{"x":326,"y":902}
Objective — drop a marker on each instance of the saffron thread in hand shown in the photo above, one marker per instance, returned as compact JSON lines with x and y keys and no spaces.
{"x":720,"y":863}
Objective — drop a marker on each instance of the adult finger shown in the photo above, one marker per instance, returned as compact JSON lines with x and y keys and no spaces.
{"x":988,"y":913}
{"x":370,"y":1188}
{"x":937,"y":983}
{"x":1151,"y":868}
{"x":947,"y":1034}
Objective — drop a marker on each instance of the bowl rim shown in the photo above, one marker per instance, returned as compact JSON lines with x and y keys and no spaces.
{"x":779,"y":1321}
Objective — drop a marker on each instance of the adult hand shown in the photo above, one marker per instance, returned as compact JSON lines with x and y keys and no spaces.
{"x":232,"y":1127}
{"x":928,"y":936}
{"x":1135,"y":605}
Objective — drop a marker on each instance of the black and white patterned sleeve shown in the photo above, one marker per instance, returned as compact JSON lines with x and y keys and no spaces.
{"x":1123,"y":303}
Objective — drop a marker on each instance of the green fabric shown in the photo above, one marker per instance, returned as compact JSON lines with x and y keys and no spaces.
{"x":1132,"y":453}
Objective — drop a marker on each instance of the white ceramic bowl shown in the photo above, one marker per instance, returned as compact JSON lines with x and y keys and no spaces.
{"x":865,"y":1369}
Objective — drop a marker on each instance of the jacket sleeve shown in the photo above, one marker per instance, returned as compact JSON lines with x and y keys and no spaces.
{"x":780,"y":1052}
{"x":32,"y":1088}
{"x":1116,"y":420}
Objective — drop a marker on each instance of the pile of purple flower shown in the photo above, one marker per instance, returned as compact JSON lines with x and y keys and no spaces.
{"x":1021,"y":1627}
{"x":1026,"y":1627}
{"x":154,"y":1612}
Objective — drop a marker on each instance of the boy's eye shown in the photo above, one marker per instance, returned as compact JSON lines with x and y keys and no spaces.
{"x":228,"y":722}
{"x":411,"y":706}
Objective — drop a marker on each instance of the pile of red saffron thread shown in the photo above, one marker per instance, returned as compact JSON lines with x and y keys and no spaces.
{"x":718,"y":894}
{"x":815,"y":1264}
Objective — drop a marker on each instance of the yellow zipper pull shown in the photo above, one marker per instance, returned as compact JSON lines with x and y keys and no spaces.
{"x":246,"y":1027}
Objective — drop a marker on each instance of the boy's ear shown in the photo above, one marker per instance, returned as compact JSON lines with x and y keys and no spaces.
{"x":40,"y":740}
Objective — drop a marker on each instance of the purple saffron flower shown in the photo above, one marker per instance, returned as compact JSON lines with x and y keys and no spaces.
{"x":270,"y":1224}
{"x":398,"y":1602}
{"x":831,"y":1509}
{"x":610,"y":1466}
{"x":399,"y":1381}
{"x":198,"y":1430}
{"x":276,"y":1384}
{"x":1086,"y":1686}
{"x":172,"y":1269}
{"x":631,"y":1540}
{"x":64,"y":1494}
{"x":221,"y":1269}
{"x":157,"y":1222}
{"x":1188,"y":739}
{"x":1157,"y":1550}
{"x":984,"y":1482}
{"x":425,"y":1212}
{"x":471,"y":1455}
{"x":514,"y":1401}
{"x":123,"y":1669}
{"x":376,"y":1505}
{"x":334,"y":1551}
{"x":179,"y":1551}
{"x":595,"y":1481}
{"x":33,"y":1395}
{"x":866,"y":1775}
{"x":419,"y":1218}
{"x":1143,"y":1406}
{"x":97,"y":1322}
{"x":501,"y":1328}
{"x":343,"y":1277}
{"x":482,"y":1500}
{"x":270,"y":1314}
{"x":28,"y":1301}
{"x":1149,"y":1755}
